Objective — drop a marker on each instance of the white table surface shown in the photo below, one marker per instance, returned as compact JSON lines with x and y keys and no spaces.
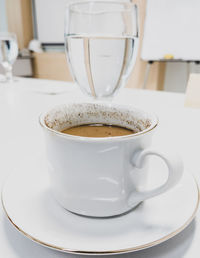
{"x":21,"y":135}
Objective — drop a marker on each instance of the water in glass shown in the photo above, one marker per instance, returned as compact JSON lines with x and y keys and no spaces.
{"x":101,"y":65}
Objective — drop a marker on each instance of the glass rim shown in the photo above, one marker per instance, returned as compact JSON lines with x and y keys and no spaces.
{"x":128,"y":6}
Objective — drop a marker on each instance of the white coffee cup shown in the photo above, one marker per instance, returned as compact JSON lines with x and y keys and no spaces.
{"x":99,"y":176}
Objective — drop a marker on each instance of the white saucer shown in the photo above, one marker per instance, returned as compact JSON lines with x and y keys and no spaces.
{"x":30,"y":207}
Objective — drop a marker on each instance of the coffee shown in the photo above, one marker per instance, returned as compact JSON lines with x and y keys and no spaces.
{"x":98,"y":130}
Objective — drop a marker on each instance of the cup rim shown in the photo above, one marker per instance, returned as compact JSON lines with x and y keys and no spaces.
{"x":154,"y":124}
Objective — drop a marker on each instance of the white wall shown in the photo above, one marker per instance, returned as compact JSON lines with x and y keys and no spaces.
{"x":176,"y":75}
{"x":50,"y":20}
{"x":3,"y":19}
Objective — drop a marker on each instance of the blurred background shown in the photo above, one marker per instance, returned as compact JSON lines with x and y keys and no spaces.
{"x":39,"y":27}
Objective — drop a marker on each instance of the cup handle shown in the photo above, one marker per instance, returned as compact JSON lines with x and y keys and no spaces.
{"x":175,"y":171}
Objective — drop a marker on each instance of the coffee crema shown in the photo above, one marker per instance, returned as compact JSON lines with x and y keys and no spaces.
{"x":98,"y":130}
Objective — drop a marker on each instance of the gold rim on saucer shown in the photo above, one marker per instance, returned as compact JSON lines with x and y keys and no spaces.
{"x":127,"y":250}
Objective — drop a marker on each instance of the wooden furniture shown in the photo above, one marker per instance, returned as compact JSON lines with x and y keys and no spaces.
{"x":51,"y":65}
{"x":19,"y":18}
{"x":192,"y":97}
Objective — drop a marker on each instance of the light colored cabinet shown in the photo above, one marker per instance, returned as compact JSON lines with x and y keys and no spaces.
{"x":51,"y":65}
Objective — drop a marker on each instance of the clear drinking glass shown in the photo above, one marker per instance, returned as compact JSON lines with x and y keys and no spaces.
{"x":8,"y":53}
{"x":101,"y":41}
